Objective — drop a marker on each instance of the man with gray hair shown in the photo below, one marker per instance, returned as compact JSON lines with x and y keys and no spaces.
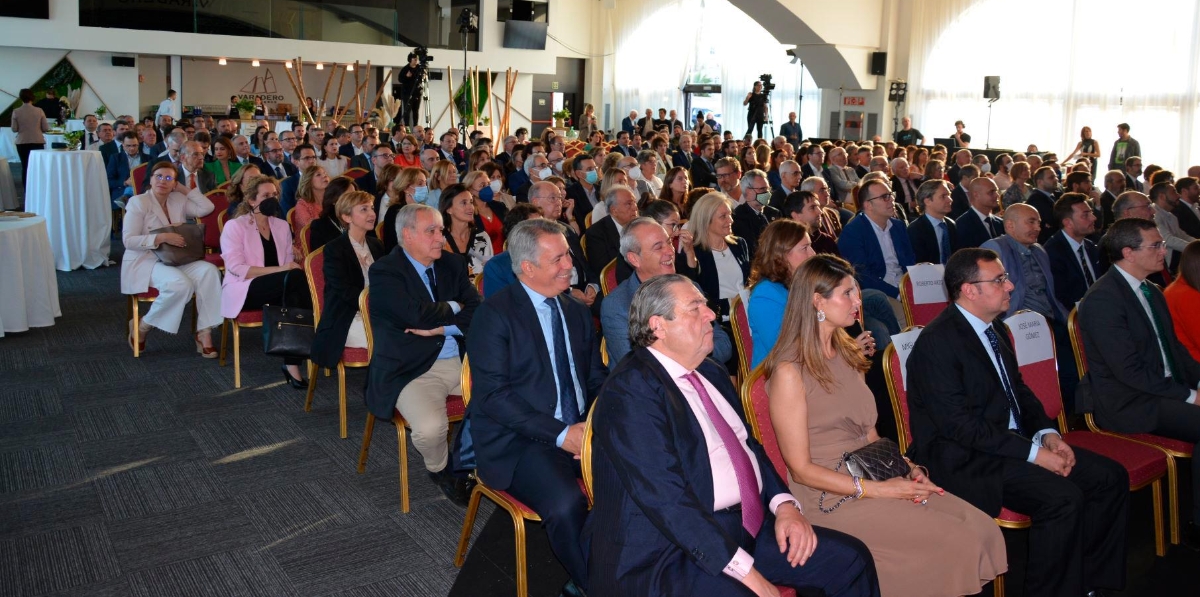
{"x":536,"y":168}
{"x":905,"y":188}
{"x":646,"y":247}
{"x":241,"y":150}
{"x":603,"y":238}
{"x":172,"y":152}
{"x":191,"y":172}
{"x":752,"y":216}
{"x":535,"y":369}
{"x":675,"y":466}
{"x":425,"y":306}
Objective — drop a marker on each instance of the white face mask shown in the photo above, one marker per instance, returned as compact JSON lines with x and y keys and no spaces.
{"x":495,"y":185}
{"x":985,"y":168}
{"x":545,"y":173}
{"x":635,"y":174}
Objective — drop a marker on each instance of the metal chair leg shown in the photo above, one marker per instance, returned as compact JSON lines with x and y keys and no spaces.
{"x":1160,"y":541}
{"x":224,"y":336}
{"x":135,"y":315}
{"x":1173,"y":498}
{"x":237,"y":356}
{"x":402,"y":440}
{"x":998,"y":586}
{"x":312,"y":386}
{"x":341,"y":399}
{"x":366,"y":443}
{"x":522,"y":567}
{"x":468,"y":523}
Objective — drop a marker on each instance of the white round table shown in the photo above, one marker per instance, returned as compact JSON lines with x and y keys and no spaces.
{"x":28,"y":287}
{"x":8,"y":190}
{"x":8,"y":143}
{"x":70,"y":188}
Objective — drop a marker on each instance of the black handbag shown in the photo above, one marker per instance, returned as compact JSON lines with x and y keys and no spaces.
{"x":879,"y":460}
{"x":288,"y":331}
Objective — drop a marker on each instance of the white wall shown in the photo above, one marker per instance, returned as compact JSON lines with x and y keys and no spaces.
{"x":153,"y":83}
{"x":116,"y":87}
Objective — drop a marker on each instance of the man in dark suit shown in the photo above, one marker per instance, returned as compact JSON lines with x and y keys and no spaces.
{"x":879,"y":265}
{"x":622,"y":147}
{"x":380,"y":156}
{"x":934,"y":235}
{"x":425,"y":308}
{"x":1114,"y":185}
{"x":1074,"y":259}
{"x":683,"y":157}
{"x":585,"y":189}
{"x":354,"y":147}
{"x":978,"y":225}
{"x":241,"y":153}
{"x":190,"y":170}
{"x":113,"y":147}
{"x":276,"y":166}
{"x":603,"y":238}
{"x":363,"y":160}
{"x":789,"y":182}
{"x":629,"y":123}
{"x":905,"y":188}
{"x":1188,"y":209}
{"x":535,"y":369}
{"x":700,"y":527}
{"x":962,"y":158}
{"x":119,"y":168}
{"x":304,"y":157}
{"x":704,"y":170}
{"x":1140,"y":379}
{"x":1133,"y":169}
{"x":960,"y":192}
{"x":173,"y":153}
{"x":544,"y":195}
{"x":986,"y":438}
{"x":815,"y":164}
{"x":1045,"y":183}
{"x":751,"y":217}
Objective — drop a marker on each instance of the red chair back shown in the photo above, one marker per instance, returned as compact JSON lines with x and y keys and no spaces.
{"x":740,"y":322}
{"x":757,"y":405}
{"x":1040,"y":376}
{"x":139,"y":177}
{"x":1077,"y":342}
{"x":314,"y":270}
{"x":893,"y":373}
{"x":355,"y":173}
{"x":917,"y":315}
{"x":608,"y":276}
{"x":212,"y":225}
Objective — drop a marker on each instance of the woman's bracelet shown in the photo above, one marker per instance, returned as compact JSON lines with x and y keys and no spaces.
{"x":859,"y":491}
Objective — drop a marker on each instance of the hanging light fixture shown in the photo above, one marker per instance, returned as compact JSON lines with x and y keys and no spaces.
{"x":254,"y":63}
{"x":221,"y":61}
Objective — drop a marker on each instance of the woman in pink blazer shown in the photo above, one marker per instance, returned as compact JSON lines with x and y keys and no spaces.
{"x":257,"y":248}
{"x":169,"y":203}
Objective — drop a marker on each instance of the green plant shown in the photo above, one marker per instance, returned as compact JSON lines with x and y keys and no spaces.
{"x":561,"y":114}
{"x":73,"y":139}
{"x":245,"y":104}
{"x":101,"y":111}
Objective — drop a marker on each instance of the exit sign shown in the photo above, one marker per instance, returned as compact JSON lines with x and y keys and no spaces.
{"x":854,"y":100}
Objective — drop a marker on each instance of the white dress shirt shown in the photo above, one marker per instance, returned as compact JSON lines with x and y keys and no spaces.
{"x":890,"y":260}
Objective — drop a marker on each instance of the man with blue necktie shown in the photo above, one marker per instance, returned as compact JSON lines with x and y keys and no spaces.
{"x":934,"y":235}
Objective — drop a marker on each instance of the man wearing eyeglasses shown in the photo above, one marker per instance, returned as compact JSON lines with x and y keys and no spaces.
{"x":1140,"y":379}
{"x":987,"y":439}
{"x":305,"y":156}
{"x":877,"y":243}
{"x":380,"y":156}
{"x":752,"y":216}
{"x":276,"y":166}
{"x":287,"y":140}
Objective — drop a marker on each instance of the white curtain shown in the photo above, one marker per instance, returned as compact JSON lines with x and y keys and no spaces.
{"x":1063,"y":65}
{"x":652,"y":43}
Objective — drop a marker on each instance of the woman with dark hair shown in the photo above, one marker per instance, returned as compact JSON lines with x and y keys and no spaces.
{"x":225,"y":164}
{"x":1183,"y":299}
{"x":462,"y":237}
{"x":329,"y":225}
{"x":408,"y":154}
{"x":258,"y":140}
{"x":675,"y":188}
{"x":347,"y":259}
{"x":489,"y":210}
{"x":925,"y":542}
{"x":232,"y":110}
{"x":28,"y":123}
{"x":334,"y":163}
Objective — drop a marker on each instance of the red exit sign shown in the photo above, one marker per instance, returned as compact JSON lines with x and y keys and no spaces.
{"x":854,"y":100}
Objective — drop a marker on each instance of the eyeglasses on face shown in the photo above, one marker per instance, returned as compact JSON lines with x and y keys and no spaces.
{"x":164,"y":178}
{"x":999,"y":281}
{"x":889,"y":196}
{"x":1158,"y":246}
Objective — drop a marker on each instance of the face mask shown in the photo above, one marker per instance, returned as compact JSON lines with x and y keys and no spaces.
{"x":763,"y":198}
{"x":420,"y":194}
{"x":985,"y":168}
{"x":557,"y":165}
{"x":635,"y":174}
{"x":485,"y":194}
{"x":495,"y":186}
{"x":269,"y":207}
{"x":545,"y":173}
{"x":592,"y":177}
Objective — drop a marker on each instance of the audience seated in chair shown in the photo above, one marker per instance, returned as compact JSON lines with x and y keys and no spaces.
{"x":717,"y":261}
{"x":933,"y":234}
{"x":751,"y":217}
{"x":498,"y":272}
{"x":986,"y":438}
{"x":876,"y":243}
{"x":120,"y":168}
{"x":1183,"y":295}
{"x":535,"y":368}
{"x":303,"y":158}
{"x":329,"y":225}
{"x":707,"y":521}
{"x":423,"y":307}
{"x":1074,"y":258}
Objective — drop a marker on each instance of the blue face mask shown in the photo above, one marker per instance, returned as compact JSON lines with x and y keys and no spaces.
{"x":592,"y":177}
{"x":486,"y":194}
{"x":420,"y":194}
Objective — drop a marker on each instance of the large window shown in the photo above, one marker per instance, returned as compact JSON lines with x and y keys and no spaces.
{"x":1063,"y":65}
{"x":380,"y":22}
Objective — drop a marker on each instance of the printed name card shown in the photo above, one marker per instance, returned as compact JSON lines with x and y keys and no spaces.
{"x":927,"y":283}
{"x":1031,"y":337}
{"x":903,"y":344}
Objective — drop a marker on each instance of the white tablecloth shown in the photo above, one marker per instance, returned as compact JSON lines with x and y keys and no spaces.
{"x":28,"y":288}
{"x":8,"y":143}
{"x":8,"y":190}
{"x":283,"y":125}
{"x":70,"y":188}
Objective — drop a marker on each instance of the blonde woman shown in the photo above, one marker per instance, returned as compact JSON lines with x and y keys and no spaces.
{"x":238,"y":185}
{"x":347,"y":259}
{"x":310,"y":193}
{"x":442,"y":175}
{"x":410,"y":187}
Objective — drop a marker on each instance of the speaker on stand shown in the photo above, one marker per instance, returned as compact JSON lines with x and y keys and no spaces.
{"x":897,"y":91}
{"x":991,"y":92}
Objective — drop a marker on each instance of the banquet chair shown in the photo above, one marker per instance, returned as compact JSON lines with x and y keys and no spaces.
{"x":583,"y":245}
{"x":355,"y":173}
{"x":587,"y":221}
{"x":1145,"y":465}
{"x":917,"y":315}
{"x":477,"y":279}
{"x":213,"y":227}
{"x":314,"y":269}
{"x":221,"y":219}
{"x":305,"y":237}
{"x":456,"y":408}
{"x":608,"y":277}
{"x":245,"y":319}
{"x":135,"y":300}
{"x":519,"y":512}
{"x":892,"y":368}
{"x":138,"y":175}
{"x":739,"y":320}
{"x":379,"y":230}
{"x":1173,"y":448}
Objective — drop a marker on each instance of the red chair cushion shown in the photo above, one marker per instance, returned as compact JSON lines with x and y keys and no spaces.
{"x":249,"y":317}
{"x":1009,"y":516}
{"x":455,"y":409}
{"x":150,"y":293}
{"x":215,"y":259}
{"x":1142,"y":462}
{"x":786,"y":591}
{"x":355,"y":355}
{"x":1171,"y":444}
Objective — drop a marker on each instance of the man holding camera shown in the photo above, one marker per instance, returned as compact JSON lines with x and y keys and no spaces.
{"x":756,"y":113}
{"x":410,"y":93}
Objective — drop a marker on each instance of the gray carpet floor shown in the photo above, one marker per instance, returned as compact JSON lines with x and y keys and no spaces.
{"x":155,"y":477}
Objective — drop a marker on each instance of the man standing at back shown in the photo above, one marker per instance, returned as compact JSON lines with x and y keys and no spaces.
{"x":168,"y":107}
{"x":1140,"y":379}
{"x":1123,"y":148}
{"x":535,"y":368}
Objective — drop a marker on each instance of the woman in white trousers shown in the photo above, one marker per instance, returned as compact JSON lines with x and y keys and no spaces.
{"x":169,"y":203}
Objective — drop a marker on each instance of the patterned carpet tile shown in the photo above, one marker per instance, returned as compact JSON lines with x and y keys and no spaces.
{"x":268,"y":466}
{"x":226,"y":437}
{"x":39,"y":466}
{"x":173,"y":446}
{"x":285,"y":512}
{"x":56,"y":560}
{"x":348,"y":556}
{"x":21,"y":403}
{"x":38,"y":431}
{"x":28,"y":357}
{"x":182,"y":534}
{"x":243,"y":573}
{"x":435,"y":526}
{"x":127,"y":419}
{"x":145,"y":487}
{"x":47,"y":509}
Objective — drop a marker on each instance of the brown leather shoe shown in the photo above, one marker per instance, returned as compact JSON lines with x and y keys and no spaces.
{"x":208,"y":353}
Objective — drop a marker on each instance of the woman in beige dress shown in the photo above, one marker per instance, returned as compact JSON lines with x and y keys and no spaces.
{"x":925,"y":542}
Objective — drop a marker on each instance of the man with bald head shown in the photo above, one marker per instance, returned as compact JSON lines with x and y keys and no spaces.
{"x":977,"y":225}
{"x":789,"y":182}
{"x":429,"y":157}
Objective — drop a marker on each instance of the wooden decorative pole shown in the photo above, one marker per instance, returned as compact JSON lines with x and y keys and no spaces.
{"x":337,"y":105}
{"x":379,"y":93}
{"x":357,"y":98}
{"x":450,"y":86}
{"x":491,"y":105}
{"x":328,"y":82}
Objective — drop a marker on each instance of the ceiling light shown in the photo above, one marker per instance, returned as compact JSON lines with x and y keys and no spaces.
{"x":254,"y":63}
{"x":320,"y":66}
{"x":287,"y":64}
{"x":350,"y":67}
{"x":221,"y":62}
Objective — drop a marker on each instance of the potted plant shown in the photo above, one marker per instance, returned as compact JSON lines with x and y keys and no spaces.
{"x":101,"y":111}
{"x":73,"y":139}
{"x":560,"y":117}
{"x":245,"y":108}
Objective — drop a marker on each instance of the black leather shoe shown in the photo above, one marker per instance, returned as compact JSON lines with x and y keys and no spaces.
{"x":1095,"y":593}
{"x":292,"y":381}
{"x":452,"y":486}
{"x":572,"y":590}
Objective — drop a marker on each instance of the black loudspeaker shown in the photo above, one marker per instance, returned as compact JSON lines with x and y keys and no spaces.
{"x":991,"y":88}
{"x":522,"y":10}
{"x":878,"y":63}
{"x":127,"y":61}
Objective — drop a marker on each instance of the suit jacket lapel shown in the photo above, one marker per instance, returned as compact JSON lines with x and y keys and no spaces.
{"x":696,"y":453}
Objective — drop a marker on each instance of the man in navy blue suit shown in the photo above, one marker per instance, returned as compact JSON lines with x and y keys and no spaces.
{"x":686,"y":502}
{"x":876,"y":243}
{"x":1074,"y":259}
{"x":977,"y":225}
{"x":934,"y":234}
{"x":304,"y":156}
{"x":535,"y":369}
{"x":119,"y":167}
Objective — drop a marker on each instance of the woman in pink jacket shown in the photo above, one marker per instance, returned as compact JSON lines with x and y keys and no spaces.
{"x":259,"y":266}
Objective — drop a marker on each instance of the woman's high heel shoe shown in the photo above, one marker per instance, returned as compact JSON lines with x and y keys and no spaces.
{"x":208,"y":353}
{"x":292,"y":381}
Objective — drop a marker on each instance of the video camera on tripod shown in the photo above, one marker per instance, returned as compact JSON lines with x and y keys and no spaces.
{"x":768,"y":86}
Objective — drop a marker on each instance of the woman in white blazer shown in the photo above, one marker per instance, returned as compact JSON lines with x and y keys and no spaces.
{"x":169,"y":203}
